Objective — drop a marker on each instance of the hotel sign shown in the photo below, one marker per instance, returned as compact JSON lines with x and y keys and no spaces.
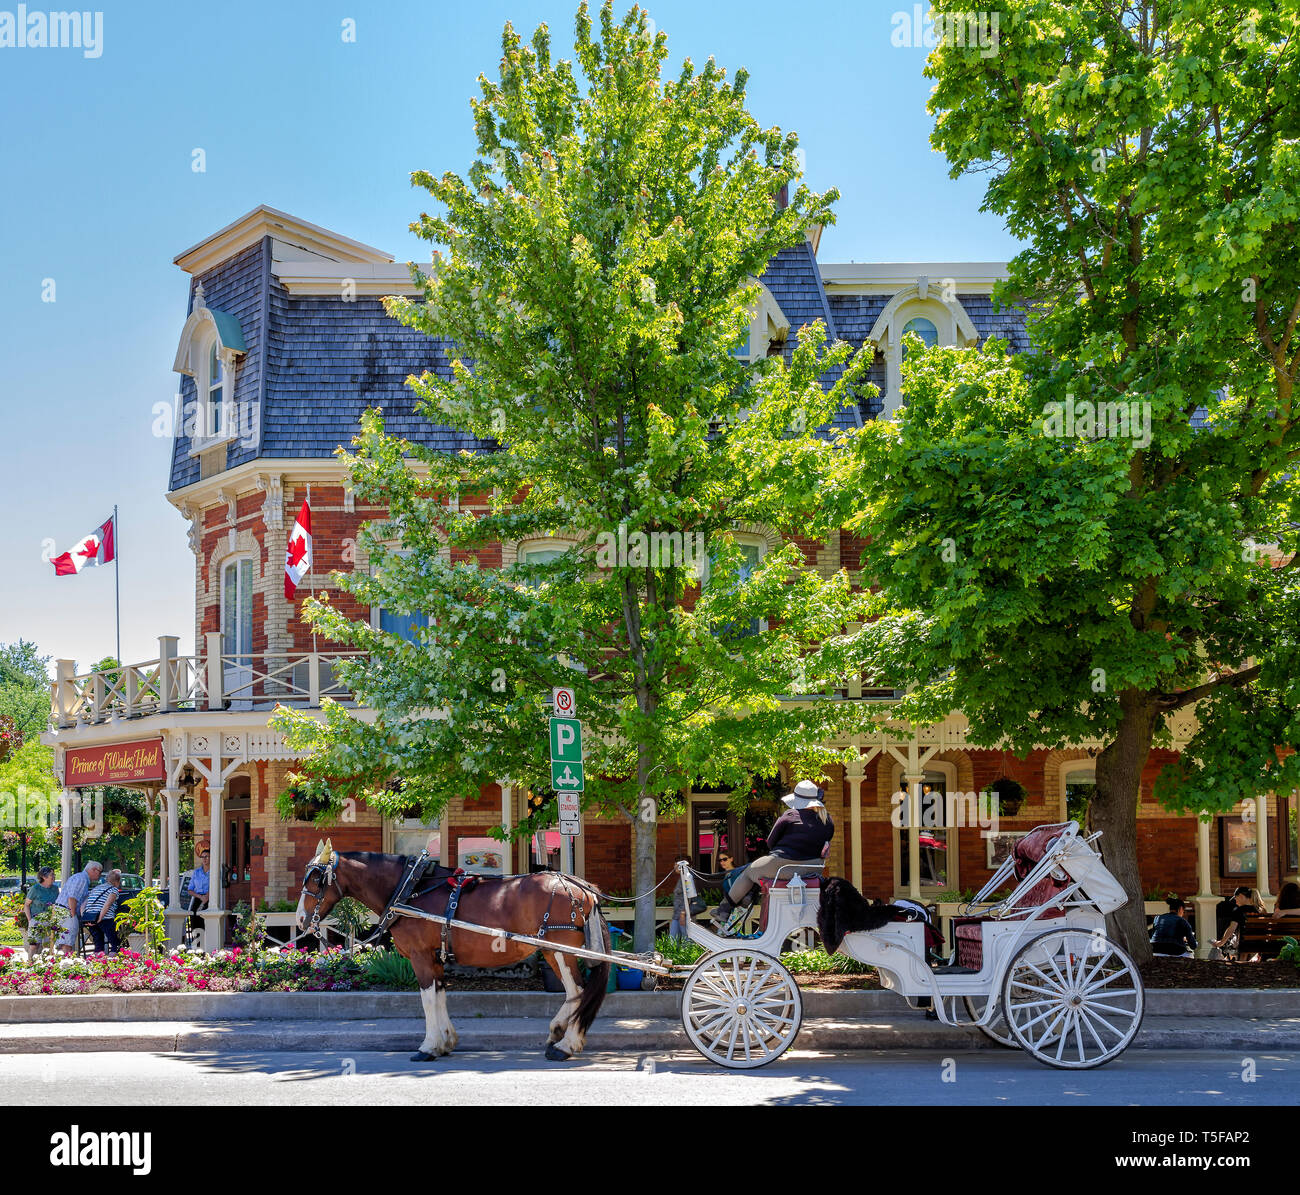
{"x":121,"y":763}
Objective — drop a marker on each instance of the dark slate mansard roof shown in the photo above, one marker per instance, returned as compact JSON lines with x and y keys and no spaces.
{"x":314,"y":363}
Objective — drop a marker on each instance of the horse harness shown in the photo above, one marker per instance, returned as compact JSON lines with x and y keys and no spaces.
{"x":415,"y":883}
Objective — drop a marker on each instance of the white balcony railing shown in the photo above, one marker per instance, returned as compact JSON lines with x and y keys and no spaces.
{"x":213,"y":681}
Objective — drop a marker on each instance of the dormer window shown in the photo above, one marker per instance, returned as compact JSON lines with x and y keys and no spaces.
{"x":210,"y":347}
{"x":923,"y":309}
{"x":211,"y":388}
{"x":924,"y":329}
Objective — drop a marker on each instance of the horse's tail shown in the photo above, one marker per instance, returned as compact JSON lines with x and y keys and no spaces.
{"x":593,"y":990}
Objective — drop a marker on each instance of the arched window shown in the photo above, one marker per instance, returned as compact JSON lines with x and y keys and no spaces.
{"x":211,"y":390}
{"x":924,"y":329}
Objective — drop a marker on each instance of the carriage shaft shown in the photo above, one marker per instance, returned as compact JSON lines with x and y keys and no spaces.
{"x":558,"y":947}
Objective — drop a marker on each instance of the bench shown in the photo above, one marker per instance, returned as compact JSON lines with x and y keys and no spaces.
{"x":1265,"y":937}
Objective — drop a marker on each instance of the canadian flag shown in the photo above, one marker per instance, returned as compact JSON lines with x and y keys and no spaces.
{"x":97,"y":548}
{"x":297,"y":560}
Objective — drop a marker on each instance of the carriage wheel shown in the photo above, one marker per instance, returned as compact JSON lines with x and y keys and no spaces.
{"x":741,"y":1009}
{"x":1073,"y":999}
{"x":997,"y":1029}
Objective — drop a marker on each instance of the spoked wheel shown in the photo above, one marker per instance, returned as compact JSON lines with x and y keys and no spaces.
{"x":741,"y":1009}
{"x":1073,"y":999}
{"x":997,"y":1028}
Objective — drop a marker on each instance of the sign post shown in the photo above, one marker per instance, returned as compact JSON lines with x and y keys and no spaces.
{"x":567,"y":777}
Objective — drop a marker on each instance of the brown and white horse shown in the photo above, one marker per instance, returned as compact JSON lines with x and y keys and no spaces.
{"x":562,"y":905}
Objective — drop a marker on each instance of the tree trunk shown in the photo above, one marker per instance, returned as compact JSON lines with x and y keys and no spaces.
{"x":646,"y":823}
{"x":1113,"y":811}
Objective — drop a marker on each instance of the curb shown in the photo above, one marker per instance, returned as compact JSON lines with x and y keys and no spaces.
{"x":527,"y":1035}
{"x":1215,"y":1003}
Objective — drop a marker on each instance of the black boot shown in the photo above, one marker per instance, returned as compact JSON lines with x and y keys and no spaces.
{"x":722,"y":914}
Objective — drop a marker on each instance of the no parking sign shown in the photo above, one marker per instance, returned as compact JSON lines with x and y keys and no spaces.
{"x":564,"y":702}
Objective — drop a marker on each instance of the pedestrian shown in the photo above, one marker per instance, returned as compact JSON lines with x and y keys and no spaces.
{"x":71,"y":895}
{"x":41,"y":894}
{"x":801,"y":836}
{"x":1172,"y":934}
{"x":99,"y":913}
{"x":200,"y":886}
{"x":677,"y":926}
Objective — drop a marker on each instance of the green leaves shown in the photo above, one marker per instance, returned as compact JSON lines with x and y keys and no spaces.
{"x":595,"y":271}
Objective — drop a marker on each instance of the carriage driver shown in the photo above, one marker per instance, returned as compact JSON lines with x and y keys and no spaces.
{"x":801,"y":835}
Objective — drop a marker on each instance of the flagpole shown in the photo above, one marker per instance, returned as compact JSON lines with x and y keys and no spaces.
{"x":117,"y":583}
{"x":311,"y":571}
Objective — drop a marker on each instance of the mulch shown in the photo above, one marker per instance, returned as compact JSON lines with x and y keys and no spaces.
{"x":1201,"y":973}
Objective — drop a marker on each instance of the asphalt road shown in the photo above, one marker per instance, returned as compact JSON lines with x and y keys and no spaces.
{"x":1147,"y":1078}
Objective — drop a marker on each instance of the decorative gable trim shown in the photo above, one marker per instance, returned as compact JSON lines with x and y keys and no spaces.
{"x":203,"y":321}
{"x":298,"y":237}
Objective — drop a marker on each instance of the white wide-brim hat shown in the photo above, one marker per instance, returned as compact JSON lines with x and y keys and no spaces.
{"x":806,"y":795}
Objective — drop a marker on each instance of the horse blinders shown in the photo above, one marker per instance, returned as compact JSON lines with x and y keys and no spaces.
{"x":325,"y":873}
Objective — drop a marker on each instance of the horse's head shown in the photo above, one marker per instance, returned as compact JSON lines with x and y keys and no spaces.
{"x":320,"y":889}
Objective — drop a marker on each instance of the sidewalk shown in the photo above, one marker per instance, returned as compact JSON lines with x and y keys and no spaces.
{"x":517,"y":1022}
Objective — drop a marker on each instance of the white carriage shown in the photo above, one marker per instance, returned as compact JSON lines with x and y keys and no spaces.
{"x":1033,"y":970}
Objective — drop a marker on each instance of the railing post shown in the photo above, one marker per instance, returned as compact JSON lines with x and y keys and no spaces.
{"x":166,"y":673}
{"x":64,"y":671}
{"x":130,"y":690}
{"x":215,"y":678}
{"x":313,"y":680}
{"x":97,"y":706}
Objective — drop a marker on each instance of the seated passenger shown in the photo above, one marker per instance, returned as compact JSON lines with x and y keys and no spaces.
{"x":802,"y":835}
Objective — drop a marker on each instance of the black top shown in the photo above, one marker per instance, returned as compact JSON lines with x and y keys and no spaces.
{"x":1228,"y":911}
{"x":1170,"y":927}
{"x":800,"y":834}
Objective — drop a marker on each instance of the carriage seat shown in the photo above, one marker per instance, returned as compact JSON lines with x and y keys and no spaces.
{"x":813,"y":880}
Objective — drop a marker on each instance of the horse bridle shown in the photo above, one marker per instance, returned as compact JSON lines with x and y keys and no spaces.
{"x":327,"y":881}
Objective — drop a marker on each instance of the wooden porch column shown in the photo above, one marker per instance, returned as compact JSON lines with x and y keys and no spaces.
{"x":507,"y":822}
{"x":1206,"y":930}
{"x":913,"y":781}
{"x":214,"y":916}
{"x":171,"y":844}
{"x":1262,"y":803}
{"x":853,"y":778}
{"x":148,"y":841}
{"x":68,"y":801}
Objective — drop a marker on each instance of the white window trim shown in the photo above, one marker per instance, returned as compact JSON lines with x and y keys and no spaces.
{"x":1069,"y":768}
{"x":377,"y":611}
{"x":899,"y":834}
{"x":235,"y":560}
{"x":747,"y":539}
{"x":920,"y":300}
{"x":200,"y":361}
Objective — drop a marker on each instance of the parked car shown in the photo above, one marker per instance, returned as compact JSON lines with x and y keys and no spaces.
{"x":10,"y":884}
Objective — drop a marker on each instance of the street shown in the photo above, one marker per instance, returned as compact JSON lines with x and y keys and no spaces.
{"x":1148,"y":1078}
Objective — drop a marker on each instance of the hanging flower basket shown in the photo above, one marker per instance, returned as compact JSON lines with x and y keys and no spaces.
{"x":306,"y":807}
{"x":1010,"y":796}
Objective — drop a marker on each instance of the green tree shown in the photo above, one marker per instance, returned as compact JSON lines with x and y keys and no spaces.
{"x":1056,"y":586}
{"x":24,"y":687}
{"x":598,"y":280}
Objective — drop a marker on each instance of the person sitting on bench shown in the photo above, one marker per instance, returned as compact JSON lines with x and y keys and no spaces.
{"x":1172,"y":933}
{"x":802,"y":836}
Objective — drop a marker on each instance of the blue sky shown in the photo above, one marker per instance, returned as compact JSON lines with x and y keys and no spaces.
{"x":99,"y":195}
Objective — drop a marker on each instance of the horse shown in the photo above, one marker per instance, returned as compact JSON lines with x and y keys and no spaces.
{"x":549,"y":905}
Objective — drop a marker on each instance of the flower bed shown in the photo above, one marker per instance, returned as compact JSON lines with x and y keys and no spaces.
{"x":237,"y":970}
